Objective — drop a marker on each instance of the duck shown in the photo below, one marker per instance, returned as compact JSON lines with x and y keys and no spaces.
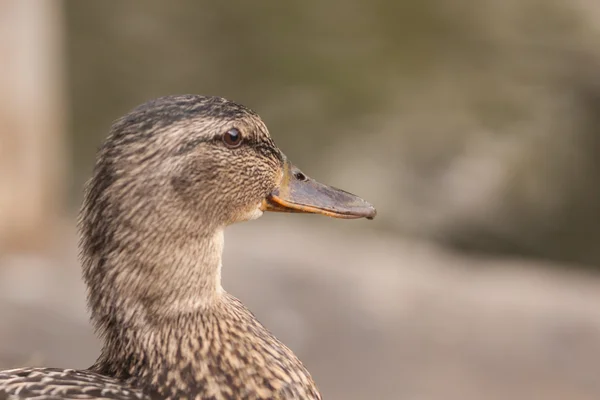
{"x":171,"y":176}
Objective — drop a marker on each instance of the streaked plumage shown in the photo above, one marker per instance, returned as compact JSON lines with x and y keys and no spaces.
{"x":170,"y":177}
{"x":54,"y":383}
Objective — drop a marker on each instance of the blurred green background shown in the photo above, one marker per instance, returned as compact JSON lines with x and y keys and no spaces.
{"x":472,"y":125}
{"x":473,"y":122}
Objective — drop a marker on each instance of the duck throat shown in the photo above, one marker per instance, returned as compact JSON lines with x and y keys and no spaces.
{"x":140,"y":281}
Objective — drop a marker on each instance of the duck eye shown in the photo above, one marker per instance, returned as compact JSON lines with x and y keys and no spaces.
{"x":232,"y":138}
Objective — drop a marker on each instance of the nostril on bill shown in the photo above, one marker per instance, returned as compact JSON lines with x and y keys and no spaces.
{"x":300,"y":176}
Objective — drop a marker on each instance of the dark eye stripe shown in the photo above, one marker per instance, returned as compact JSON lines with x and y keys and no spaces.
{"x":265,"y":147}
{"x":191,"y":145}
{"x":268,"y":150}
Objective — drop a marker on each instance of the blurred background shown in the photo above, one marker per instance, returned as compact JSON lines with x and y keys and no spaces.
{"x":472,"y":125}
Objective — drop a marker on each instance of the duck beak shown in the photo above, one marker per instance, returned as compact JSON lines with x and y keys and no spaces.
{"x":298,"y":193}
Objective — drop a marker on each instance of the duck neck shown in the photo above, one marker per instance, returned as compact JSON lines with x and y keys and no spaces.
{"x":181,"y":277}
{"x":139,"y":285}
{"x":143,"y":295}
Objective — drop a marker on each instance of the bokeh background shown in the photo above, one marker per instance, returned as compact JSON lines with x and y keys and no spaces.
{"x":472,"y":125}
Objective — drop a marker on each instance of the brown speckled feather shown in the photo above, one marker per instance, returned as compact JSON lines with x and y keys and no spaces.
{"x":222,"y":353}
{"x":57,"y":384}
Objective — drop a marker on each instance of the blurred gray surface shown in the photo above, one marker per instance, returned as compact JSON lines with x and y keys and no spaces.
{"x":373,"y":316}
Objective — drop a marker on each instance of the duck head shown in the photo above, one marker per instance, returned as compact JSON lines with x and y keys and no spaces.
{"x":212,"y":160}
{"x":171,"y":175}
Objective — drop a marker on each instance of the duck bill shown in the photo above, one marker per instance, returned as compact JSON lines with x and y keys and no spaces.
{"x":298,"y":193}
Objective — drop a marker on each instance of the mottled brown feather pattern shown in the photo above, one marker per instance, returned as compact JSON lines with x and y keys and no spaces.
{"x":164,"y":187}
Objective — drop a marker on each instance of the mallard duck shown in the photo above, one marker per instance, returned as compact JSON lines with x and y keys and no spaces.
{"x":172,"y":174}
